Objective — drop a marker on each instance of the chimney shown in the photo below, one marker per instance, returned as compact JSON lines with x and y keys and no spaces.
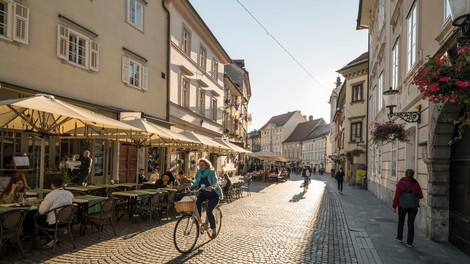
{"x":240,"y":63}
{"x":305,"y":117}
{"x":310,"y":117}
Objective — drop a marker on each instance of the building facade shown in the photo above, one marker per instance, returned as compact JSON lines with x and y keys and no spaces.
{"x":293,"y":147}
{"x":277,"y":129}
{"x":316,"y":147}
{"x":402,"y":34}
{"x":108,"y":60}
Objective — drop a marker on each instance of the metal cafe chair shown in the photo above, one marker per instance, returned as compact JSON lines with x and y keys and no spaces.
{"x":64,"y":218}
{"x":106,"y":213}
{"x":151,"y":206}
{"x":11,"y":226}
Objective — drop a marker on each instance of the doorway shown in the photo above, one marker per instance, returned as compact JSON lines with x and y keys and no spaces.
{"x":127,"y":163}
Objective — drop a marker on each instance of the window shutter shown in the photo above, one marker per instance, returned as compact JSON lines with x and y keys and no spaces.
{"x":62,"y":42}
{"x":21,"y":23}
{"x":125,"y":69}
{"x":94,"y":55}
{"x":145,"y":77}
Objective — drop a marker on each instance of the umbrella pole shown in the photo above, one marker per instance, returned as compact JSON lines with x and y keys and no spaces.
{"x":41,"y":164}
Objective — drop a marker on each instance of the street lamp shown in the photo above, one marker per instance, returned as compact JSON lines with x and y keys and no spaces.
{"x":460,"y":11}
{"x":391,"y":101}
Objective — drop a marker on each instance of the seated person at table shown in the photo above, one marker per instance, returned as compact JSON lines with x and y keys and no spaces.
{"x":164,"y":182}
{"x":225,"y":183}
{"x":154,"y":176}
{"x":182,"y":182}
{"x":141,"y":176}
{"x":14,"y":192}
{"x":56,"y":198}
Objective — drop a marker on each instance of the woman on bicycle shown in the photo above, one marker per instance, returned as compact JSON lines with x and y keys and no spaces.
{"x":207,"y":177}
{"x":306,"y":172}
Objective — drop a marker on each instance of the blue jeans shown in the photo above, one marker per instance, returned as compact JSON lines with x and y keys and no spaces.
{"x":213,"y":199}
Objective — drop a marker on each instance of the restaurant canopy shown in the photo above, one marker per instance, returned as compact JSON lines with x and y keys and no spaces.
{"x":232,"y":146}
{"x":43,"y":115}
{"x":268,"y":156}
{"x":160,"y":136}
{"x":207,"y":143}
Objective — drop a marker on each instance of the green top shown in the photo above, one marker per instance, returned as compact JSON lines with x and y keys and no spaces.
{"x":213,"y":181}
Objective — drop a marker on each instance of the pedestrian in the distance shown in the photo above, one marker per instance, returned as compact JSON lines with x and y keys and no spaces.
{"x":340,"y":178}
{"x":85,"y":167}
{"x":404,"y":185}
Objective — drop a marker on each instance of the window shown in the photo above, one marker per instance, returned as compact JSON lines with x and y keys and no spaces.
{"x":214,"y":109}
{"x":356,"y":131}
{"x":395,"y":65}
{"x":14,"y":21}
{"x":186,"y":41}
{"x":185,"y":92}
{"x":447,"y":14}
{"x":215,"y":69}
{"x":412,"y":31}
{"x":202,"y":101}
{"x":203,"y":58}
{"x":378,"y":160}
{"x":135,"y":14}
{"x":134,"y":73}
{"x":393,"y":167}
{"x":357,"y":93}
{"x":77,"y":49}
{"x":380,"y":89}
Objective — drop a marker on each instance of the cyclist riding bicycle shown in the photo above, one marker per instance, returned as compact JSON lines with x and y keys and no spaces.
{"x":306,"y":172}
{"x":206,"y":179}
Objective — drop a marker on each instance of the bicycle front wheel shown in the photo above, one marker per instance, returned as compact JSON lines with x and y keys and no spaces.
{"x":185,"y":234}
{"x":218,"y":221}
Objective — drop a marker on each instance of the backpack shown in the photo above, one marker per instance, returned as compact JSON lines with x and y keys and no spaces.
{"x":408,"y":200}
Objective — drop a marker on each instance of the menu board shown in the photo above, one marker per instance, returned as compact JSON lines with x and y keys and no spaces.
{"x":98,"y":148}
{"x":21,"y":161}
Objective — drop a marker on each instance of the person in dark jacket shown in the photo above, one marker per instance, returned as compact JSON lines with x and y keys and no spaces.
{"x":340,"y":178}
{"x":85,"y":167}
{"x":411,"y":184}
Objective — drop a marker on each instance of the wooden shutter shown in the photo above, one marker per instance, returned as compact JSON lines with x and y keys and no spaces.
{"x":21,"y":23}
{"x":125,"y":69}
{"x":145,"y":76}
{"x":94,"y":55}
{"x":62,"y":42}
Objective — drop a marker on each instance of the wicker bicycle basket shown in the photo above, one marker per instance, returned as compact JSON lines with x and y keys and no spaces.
{"x":185,"y":206}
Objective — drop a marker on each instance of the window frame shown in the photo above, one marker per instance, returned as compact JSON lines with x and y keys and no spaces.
{"x":359,"y":87}
{"x":446,"y":12}
{"x":215,"y":69}
{"x":411,"y":37}
{"x":394,"y":159}
{"x":202,"y":102}
{"x":214,"y":103}
{"x":380,"y":85}
{"x":91,"y":47}
{"x":356,"y":130}
{"x":185,"y":91}
{"x":396,"y":64}
{"x":202,"y":58}
{"x":129,"y":63}
{"x":138,"y":22}
{"x":186,"y":41}
{"x":16,"y":22}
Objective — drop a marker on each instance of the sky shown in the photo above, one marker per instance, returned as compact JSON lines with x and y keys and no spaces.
{"x":318,"y":37}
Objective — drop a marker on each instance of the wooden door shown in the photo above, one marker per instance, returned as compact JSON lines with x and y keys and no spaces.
{"x":127,"y":163}
{"x":459,"y":233}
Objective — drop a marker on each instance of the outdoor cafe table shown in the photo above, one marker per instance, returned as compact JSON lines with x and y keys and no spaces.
{"x":132,"y":197}
{"x":128,"y":186}
{"x":86,"y":205}
{"x":36,"y":192}
{"x":88,"y":189}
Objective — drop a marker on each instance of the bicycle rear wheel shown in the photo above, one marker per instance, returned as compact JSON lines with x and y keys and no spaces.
{"x":185,"y":234}
{"x":218,"y":221}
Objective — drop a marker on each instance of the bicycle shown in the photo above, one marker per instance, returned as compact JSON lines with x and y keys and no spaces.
{"x":306,"y":182}
{"x":190,"y":225}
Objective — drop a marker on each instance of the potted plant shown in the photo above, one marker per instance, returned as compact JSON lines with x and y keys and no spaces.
{"x":389,"y":131}
{"x":442,"y":79}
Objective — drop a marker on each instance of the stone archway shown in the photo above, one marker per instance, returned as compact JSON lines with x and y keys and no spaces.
{"x":437,"y":154}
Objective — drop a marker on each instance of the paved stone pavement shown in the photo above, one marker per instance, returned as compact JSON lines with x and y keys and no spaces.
{"x":278,"y":223}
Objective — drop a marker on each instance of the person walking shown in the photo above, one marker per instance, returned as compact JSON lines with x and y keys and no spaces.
{"x":407,"y":195}
{"x":340,"y":179}
{"x":206,"y":179}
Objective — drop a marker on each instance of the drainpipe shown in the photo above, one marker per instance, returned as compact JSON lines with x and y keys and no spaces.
{"x":416,"y":148}
{"x":167,"y":61}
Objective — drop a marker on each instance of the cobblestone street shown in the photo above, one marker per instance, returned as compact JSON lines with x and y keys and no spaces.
{"x":278,"y":223}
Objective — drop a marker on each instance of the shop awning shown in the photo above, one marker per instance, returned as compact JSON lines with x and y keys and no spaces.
{"x":269,"y":156}
{"x":207,"y":143}
{"x":233,"y":147}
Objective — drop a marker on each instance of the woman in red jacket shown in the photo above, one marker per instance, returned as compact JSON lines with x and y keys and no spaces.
{"x":406,"y":183}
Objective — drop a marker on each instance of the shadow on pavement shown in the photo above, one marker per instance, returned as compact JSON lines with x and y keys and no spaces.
{"x":297,"y":197}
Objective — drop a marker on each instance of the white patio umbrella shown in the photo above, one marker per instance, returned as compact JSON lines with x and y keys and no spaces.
{"x":267,"y":155}
{"x":232,"y":146}
{"x":207,"y":143}
{"x":44,"y":115}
